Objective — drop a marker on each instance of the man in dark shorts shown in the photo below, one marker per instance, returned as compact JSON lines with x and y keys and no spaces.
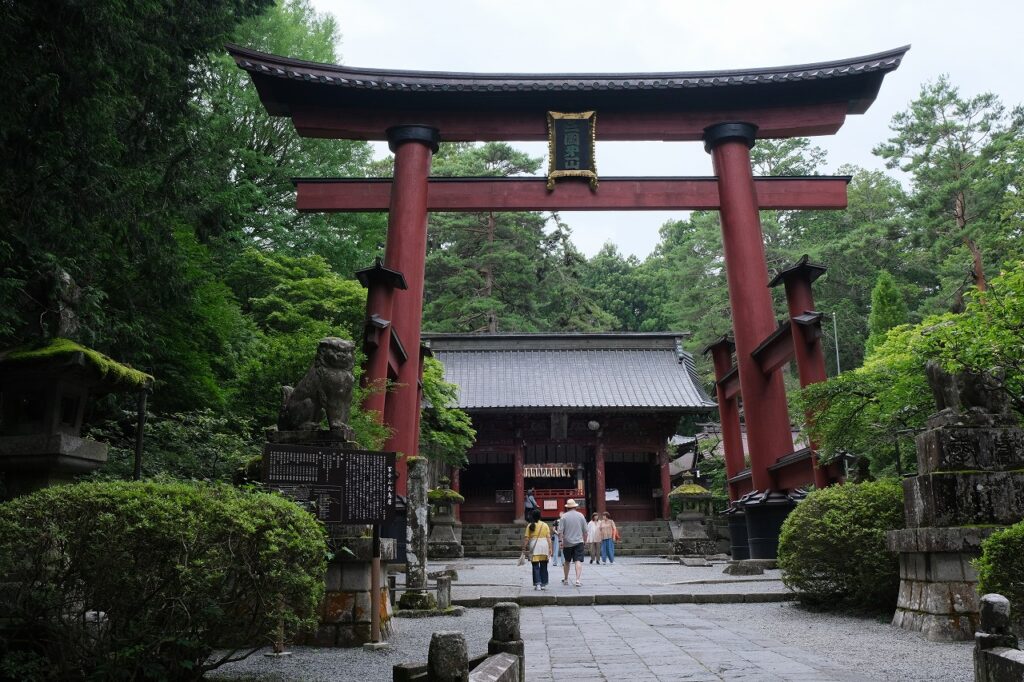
{"x":574,"y":537}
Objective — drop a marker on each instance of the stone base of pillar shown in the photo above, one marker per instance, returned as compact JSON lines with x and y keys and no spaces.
{"x":938,"y":584}
{"x":738,"y":546}
{"x":765,"y":511}
{"x":417,"y":600}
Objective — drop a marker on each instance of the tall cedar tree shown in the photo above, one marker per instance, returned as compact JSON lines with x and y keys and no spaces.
{"x":955,"y":149}
{"x":888,"y":309}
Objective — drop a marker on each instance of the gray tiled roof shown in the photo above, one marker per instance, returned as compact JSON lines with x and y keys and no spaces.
{"x":573,"y":371}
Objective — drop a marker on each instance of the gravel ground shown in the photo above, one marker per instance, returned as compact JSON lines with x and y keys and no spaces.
{"x":863,"y":648}
{"x":869,"y":645}
{"x":408,"y":645}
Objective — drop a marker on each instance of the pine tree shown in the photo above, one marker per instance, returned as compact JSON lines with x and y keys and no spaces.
{"x":888,"y":309}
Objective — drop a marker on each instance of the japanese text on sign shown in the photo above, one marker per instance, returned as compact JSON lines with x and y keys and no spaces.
{"x":336,"y":484}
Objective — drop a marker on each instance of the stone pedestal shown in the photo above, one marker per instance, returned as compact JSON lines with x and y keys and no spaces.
{"x":970,"y":484}
{"x":443,"y":542}
{"x":345,"y":612}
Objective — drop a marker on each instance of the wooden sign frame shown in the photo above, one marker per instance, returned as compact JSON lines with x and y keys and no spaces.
{"x":587,"y":164}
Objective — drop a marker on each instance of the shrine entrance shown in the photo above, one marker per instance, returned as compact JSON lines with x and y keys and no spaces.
{"x":725,"y":110}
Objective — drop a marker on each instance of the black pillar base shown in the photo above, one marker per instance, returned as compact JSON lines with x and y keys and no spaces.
{"x":737,"y":533}
{"x":765,"y":511}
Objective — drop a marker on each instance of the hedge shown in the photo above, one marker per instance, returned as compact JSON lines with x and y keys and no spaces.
{"x":1001,"y":569}
{"x":832,"y":547}
{"x":116,"y":580}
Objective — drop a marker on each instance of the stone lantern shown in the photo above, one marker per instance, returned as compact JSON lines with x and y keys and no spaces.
{"x":443,"y":543}
{"x":43,"y":394}
{"x":691,"y":534}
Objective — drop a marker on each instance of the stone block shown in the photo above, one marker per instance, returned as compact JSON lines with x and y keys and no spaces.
{"x":325,"y":635}
{"x":575,"y":600}
{"x":353,"y":634}
{"x":356,"y":577}
{"x":500,"y":667}
{"x":961,"y":448}
{"x":447,"y":658}
{"x":337,"y":607}
{"x":964,"y":598}
{"x":964,"y":499}
{"x":332,"y":579}
{"x":935,"y":598}
{"x":671,"y":598}
{"x":361,"y":609}
{"x":945,"y":566}
{"x":537,"y":600}
{"x":904,"y":596}
{"x":642,"y":599}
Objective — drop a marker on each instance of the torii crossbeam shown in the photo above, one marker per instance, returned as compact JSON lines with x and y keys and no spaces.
{"x":531,"y":194}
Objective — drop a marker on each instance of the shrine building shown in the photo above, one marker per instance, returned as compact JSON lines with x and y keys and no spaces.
{"x":586,"y":416}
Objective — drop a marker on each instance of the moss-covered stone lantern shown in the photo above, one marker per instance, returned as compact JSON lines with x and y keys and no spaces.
{"x":43,"y":394}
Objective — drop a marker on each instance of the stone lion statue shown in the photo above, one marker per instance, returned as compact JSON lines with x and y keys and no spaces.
{"x":326,"y":387}
{"x":970,"y":394}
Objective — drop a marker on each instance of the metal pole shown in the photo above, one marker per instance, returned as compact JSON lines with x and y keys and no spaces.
{"x":835,"y":334}
{"x":140,"y":425}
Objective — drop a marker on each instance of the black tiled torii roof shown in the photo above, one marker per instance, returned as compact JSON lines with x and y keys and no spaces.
{"x":855,"y":80}
{"x":572,"y":372}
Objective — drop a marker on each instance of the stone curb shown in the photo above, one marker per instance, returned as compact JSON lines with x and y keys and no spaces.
{"x":628,"y":599}
{"x":458,"y":610}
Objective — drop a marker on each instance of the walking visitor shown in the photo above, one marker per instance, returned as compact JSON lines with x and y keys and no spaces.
{"x":594,"y":544}
{"x":556,"y":537}
{"x":609,"y":535}
{"x":529,"y":505}
{"x":574,"y":536}
{"x":538,"y":547}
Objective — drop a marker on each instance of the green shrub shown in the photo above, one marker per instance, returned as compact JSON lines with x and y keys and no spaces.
{"x":832,"y":546}
{"x":119,"y":580}
{"x":1001,"y":569}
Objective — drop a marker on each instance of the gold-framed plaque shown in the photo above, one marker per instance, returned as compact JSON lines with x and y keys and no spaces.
{"x":571,"y":146}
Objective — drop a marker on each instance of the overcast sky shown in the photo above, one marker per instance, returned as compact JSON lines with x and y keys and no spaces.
{"x":978,"y":43}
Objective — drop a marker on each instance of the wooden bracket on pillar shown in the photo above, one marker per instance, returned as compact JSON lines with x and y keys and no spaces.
{"x":809,"y":324}
{"x":377,"y":274}
{"x":776,"y":350}
{"x":803,"y":269}
{"x":729,"y":385}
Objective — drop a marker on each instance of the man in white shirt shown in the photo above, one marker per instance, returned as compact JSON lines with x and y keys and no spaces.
{"x":574,"y":536}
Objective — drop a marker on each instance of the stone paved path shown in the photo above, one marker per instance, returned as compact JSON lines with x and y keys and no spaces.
{"x":648,"y":643}
{"x":502,"y":578}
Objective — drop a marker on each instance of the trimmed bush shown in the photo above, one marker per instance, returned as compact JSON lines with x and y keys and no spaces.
{"x":1001,"y":569}
{"x":832,"y":547}
{"x":135,"y":581}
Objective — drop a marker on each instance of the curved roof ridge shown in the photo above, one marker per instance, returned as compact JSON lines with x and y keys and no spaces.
{"x":887,"y":58}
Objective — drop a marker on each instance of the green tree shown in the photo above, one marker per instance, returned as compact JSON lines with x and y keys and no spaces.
{"x":955,"y":149}
{"x":446,"y":432}
{"x":248,"y":158}
{"x":95,"y":133}
{"x":887,"y":309}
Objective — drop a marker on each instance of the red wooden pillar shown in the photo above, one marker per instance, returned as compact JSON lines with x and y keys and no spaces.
{"x":518,"y":491}
{"x":728,"y":413}
{"x":666,"y":482}
{"x":764,"y":396}
{"x":600,"y":483}
{"x":805,"y":325}
{"x":406,"y":252}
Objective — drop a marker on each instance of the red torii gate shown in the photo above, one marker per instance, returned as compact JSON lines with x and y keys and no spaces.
{"x":727,"y":110}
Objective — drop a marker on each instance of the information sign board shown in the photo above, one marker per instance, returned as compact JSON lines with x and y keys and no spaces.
{"x":339,"y":485}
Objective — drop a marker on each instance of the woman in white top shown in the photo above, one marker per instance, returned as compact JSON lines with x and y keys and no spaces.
{"x":593,"y":541}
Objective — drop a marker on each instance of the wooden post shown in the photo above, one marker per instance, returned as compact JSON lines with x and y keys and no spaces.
{"x":518,"y":491}
{"x":375,"y":601}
